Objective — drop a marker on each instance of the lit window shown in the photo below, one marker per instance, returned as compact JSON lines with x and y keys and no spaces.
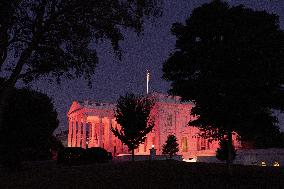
{"x":184,"y":144}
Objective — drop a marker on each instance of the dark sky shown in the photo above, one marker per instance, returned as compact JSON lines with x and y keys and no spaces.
{"x":149,"y":51}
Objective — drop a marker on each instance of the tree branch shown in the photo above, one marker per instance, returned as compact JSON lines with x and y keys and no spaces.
{"x":37,"y":32}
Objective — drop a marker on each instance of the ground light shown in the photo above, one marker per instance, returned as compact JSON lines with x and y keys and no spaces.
{"x":276,"y":164}
{"x":190,"y":160}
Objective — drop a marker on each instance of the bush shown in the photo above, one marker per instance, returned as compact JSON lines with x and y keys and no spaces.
{"x":23,"y":133}
{"x":97,"y":155}
{"x":71,"y":156}
{"x":171,"y":146}
{"x":222,"y":151}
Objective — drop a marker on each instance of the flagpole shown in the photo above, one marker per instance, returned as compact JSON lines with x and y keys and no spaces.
{"x":147,"y":77}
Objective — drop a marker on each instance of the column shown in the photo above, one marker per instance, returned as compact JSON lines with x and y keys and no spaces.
{"x":93,"y":134}
{"x":74,"y":132}
{"x":79,"y":137}
{"x":84,"y":132}
{"x":70,"y":132}
{"x":100,"y":131}
{"x":109,"y":135}
{"x":90,"y":142}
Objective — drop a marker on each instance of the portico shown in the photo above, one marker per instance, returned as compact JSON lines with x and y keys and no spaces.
{"x":90,"y":126}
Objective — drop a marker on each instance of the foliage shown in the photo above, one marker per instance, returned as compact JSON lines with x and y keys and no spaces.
{"x":29,"y":122}
{"x":132,"y":113}
{"x":267,"y":139}
{"x":171,"y":146}
{"x":57,"y":37}
{"x":79,"y":156}
{"x":71,"y":156}
{"x":229,"y":62}
{"x":222,"y":151}
{"x":97,"y":155}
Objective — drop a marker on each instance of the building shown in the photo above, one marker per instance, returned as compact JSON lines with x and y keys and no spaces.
{"x":90,"y":123}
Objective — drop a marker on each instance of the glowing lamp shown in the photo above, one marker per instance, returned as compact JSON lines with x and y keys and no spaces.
{"x":263,"y":163}
{"x":276,"y":164}
{"x":153,"y":145}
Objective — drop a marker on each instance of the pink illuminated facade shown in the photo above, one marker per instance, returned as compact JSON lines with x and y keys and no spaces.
{"x":90,"y":123}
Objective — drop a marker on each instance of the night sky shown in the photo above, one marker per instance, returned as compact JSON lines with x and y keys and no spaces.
{"x":148,"y":51}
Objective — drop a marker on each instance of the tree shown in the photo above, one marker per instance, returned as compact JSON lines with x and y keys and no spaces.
{"x":171,"y":146}
{"x":57,"y":37}
{"x":229,"y":62}
{"x":222,"y":151}
{"x":133,"y":114}
{"x":29,"y":122}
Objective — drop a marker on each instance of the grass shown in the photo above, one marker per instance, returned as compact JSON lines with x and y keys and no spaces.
{"x":156,"y":174}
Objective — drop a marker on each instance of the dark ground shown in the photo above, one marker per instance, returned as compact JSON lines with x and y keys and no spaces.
{"x":156,"y":174}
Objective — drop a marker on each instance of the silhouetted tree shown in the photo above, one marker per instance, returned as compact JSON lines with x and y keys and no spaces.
{"x":222,"y":151}
{"x":229,"y":62}
{"x":58,"y":37}
{"x":132,"y":113}
{"x":171,"y":146}
{"x":29,"y":122}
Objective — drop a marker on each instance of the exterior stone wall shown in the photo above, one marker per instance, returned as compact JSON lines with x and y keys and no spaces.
{"x":90,"y":123}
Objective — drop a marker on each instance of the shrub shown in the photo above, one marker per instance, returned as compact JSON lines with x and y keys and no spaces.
{"x":97,"y":155}
{"x":71,"y":156}
{"x":171,"y":146}
{"x":222,"y":151}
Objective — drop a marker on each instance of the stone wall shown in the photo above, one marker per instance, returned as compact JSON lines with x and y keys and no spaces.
{"x":127,"y":157}
{"x":261,"y":157}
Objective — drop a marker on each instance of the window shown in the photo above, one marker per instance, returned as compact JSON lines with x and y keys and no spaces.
{"x":198,"y":144}
{"x":208,"y":145}
{"x":202,"y":144}
{"x":184,"y":144}
{"x":169,"y":120}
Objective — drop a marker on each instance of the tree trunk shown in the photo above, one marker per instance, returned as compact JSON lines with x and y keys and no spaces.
{"x":132,"y":152}
{"x":9,"y":153}
{"x":8,"y":85}
{"x":5,"y":92}
{"x":230,"y":154}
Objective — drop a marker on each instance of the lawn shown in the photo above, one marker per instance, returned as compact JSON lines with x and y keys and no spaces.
{"x":155,"y":174}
